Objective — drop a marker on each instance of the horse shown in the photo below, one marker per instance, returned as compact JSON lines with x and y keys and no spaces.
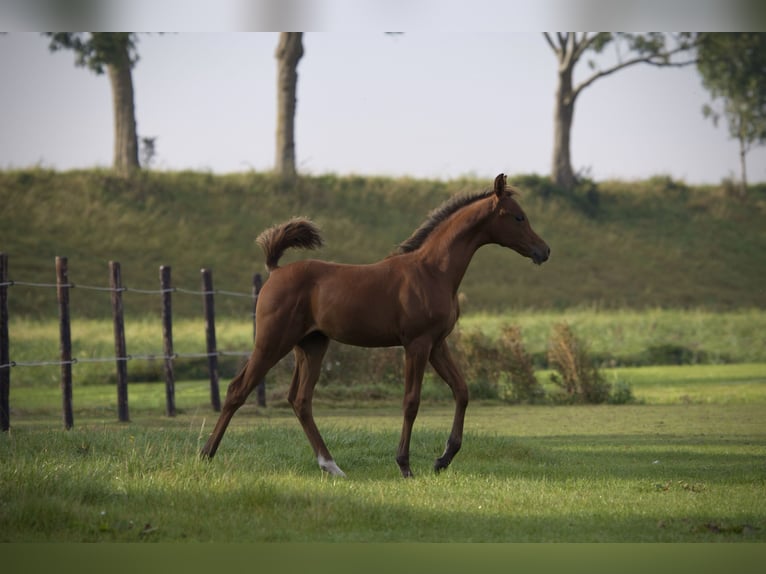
{"x":408,"y":299}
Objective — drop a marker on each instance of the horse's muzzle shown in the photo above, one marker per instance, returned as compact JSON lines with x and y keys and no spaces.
{"x":541,"y":254}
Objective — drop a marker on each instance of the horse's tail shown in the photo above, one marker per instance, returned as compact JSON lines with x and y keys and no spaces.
{"x":298,"y":232}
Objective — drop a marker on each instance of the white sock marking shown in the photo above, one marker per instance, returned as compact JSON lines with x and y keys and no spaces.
{"x":330,"y":467}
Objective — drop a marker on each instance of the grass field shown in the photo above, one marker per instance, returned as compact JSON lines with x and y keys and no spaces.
{"x":662,"y":281}
{"x":685,"y":466}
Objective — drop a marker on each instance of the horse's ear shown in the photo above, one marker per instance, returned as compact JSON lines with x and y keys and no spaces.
{"x":500,"y":185}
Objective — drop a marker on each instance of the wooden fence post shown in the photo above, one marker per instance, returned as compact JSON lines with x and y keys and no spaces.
{"x":167,"y":341}
{"x":212,"y":351}
{"x":5,"y":358}
{"x":65,"y":339}
{"x":120,"y":351}
{"x":260,"y":389}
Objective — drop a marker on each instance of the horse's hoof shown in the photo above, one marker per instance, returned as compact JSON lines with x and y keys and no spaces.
{"x":404,"y":468}
{"x":330,"y":467}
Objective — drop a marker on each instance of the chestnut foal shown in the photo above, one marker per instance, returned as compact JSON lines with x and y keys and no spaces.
{"x":408,"y":299}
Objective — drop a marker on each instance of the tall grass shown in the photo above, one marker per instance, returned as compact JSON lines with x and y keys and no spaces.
{"x":614,"y":338}
{"x":577,"y":376}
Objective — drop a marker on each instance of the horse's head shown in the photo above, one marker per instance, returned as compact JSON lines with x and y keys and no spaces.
{"x":510,"y":226}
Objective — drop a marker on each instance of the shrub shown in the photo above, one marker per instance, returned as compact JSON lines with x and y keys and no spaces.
{"x":479,"y":359}
{"x":347,"y":365}
{"x":520,"y":367}
{"x":673,"y":354}
{"x":621,"y":394}
{"x":500,"y":369}
{"x":576,"y":373}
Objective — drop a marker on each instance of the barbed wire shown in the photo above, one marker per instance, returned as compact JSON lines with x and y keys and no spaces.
{"x":126,"y":289}
{"x":150,"y":357}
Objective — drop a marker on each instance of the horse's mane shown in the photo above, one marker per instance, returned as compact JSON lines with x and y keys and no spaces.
{"x":436,"y":217}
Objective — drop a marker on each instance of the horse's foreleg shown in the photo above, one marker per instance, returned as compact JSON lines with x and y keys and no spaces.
{"x":308,"y":363}
{"x":445,"y":366}
{"x":416,"y":357}
{"x":236,"y":394}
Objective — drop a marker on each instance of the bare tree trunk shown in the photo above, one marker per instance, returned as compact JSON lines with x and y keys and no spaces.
{"x":125,"y":138}
{"x":288,"y":54}
{"x":742,"y":154}
{"x":563,"y":115}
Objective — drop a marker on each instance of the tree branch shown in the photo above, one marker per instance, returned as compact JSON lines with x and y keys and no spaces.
{"x":650,"y":59}
{"x":580,"y":47}
{"x":550,"y":43}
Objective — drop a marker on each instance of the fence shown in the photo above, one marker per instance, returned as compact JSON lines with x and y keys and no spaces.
{"x":116,"y":289}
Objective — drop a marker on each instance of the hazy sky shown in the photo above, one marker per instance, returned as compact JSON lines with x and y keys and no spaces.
{"x":422,"y":104}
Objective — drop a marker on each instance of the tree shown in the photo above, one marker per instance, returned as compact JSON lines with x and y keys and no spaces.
{"x":733,"y":69}
{"x":570,"y":48}
{"x":288,"y":54}
{"x":115,"y":53}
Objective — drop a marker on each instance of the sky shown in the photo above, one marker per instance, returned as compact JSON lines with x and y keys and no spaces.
{"x":425,"y":104}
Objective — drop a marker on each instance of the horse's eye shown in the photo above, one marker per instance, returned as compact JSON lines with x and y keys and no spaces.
{"x":520,"y":218}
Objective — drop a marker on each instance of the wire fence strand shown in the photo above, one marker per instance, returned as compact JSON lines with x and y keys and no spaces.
{"x":124,"y":289}
{"x":149,"y":357}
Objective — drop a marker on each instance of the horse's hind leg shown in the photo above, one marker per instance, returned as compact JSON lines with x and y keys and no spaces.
{"x":309,"y":353}
{"x":239,"y":389}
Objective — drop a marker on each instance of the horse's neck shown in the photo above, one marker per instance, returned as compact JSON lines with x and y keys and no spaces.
{"x":453,"y":244}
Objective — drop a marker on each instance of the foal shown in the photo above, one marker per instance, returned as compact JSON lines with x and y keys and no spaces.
{"x":407,"y":299}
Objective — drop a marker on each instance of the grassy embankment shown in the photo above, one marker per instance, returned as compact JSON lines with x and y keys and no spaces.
{"x":650,"y":244}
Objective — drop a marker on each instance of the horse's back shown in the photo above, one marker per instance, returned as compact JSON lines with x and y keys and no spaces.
{"x":348,"y":303}
{"x":377,"y":305}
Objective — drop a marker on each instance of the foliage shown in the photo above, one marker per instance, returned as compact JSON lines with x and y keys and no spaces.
{"x":497,"y":368}
{"x":481,"y":363}
{"x":96,"y":50}
{"x":656,"y":48}
{"x":115,"y":51}
{"x":583,"y":197}
{"x":148,"y":151}
{"x":520,"y":367}
{"x":576,"y":373}
{"x":733,"y":69}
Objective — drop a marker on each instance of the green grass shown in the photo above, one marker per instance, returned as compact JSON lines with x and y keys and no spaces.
{"x":668,"y":470}
{"x":699,"y":384}
{"x":691,"y":473}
